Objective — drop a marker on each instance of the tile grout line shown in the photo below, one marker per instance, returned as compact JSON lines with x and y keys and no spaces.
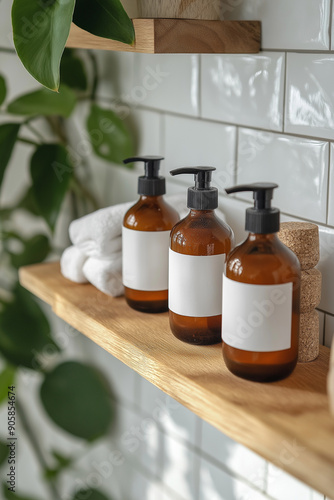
{"x":236,"y":156}
{"x":227,"y":124}
{"x":266,"y":475}
{"x":326,"y":313}
{"x":330,"y":24}
{"x":198,"y":463}
{"x":234,"y":475}
{"x":199,"y":86}
{"x":162,"y":135}
{"x":324,"y":330}
{"x":284,"y":90}
{"x":328,"y":181}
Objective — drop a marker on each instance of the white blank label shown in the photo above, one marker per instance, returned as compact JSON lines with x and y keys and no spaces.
{"x":195,"y":284}
{"x":257,"y":318}
{"x":145,"y":259}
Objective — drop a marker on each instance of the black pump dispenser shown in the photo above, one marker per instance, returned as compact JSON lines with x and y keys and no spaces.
{"x":150,"y":184}
{"x":202,"y":196}
{"x":262,"y":218}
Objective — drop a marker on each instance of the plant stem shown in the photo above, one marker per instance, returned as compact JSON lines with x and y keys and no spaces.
{"x":95,"y":75}
{"x":34,"y":131}
{"x":57,"y":128}
{"x":28,"y":141}
{"x":74,"y":205}
{"x":8,"y":50}
{"x":84,"y":192}
{"x":55,"y":495}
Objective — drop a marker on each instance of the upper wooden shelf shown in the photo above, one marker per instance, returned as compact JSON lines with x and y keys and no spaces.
{"x":286,"y":422}
{"x":179,"y":36}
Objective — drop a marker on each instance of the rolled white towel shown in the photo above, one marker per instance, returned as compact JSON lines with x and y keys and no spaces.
{"x":106,"y":275}
{"x":91,"y":248}
{"x":71,"y":264}
{"x":97,"y":234}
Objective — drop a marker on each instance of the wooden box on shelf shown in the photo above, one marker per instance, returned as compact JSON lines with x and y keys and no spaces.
{"x":162,"y":36}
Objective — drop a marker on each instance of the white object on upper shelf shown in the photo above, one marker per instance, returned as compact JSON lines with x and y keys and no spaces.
{"x":180,"y":9}
{"x":131,"y":8}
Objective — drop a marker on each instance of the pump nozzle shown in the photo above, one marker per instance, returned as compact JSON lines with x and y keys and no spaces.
{"x":262,"y":218}
{"x":202,"y":196}
{"x":151,"y":184}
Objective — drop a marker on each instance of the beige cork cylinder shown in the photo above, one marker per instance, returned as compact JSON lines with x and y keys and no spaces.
{"x":310,"y":289}
{"x":180,"y":9}
{"x":303,"y":239}
{"x":308,"y":337}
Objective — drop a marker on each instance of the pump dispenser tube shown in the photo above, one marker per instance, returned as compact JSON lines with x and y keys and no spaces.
{"x":145,"y":235}
{"x":198,"y":247}
{"x":261,"y":287}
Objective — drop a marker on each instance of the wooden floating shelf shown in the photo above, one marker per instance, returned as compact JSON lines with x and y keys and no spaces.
{"x":286,"y":422}
{"x":155,"y":36}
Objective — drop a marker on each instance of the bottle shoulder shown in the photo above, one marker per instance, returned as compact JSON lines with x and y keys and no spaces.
{"x":259,"y":261}
{"x":151,"y":214}
{"x":203,"y":235}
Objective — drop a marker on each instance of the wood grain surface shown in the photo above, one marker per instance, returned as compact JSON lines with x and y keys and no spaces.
{"x":287,"y":422}
{"x":178,"y":36}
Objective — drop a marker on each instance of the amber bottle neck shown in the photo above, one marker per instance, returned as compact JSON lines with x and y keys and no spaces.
{"x":143,"y":197}
{"x":262,"y":237}
{"x":199,"y":213}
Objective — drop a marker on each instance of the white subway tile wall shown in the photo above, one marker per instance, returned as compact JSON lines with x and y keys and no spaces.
{"x":157,"y":80}
{"x":244,"y":89}
{"x":301,"y":24}
{"x":299,"y":166}
{"x":326,"y":266}
{"x":309,"y":103}
{"x":282,"y":486}
{"x":329,"y":332}
{"x":184,"y":139}
{"x":233,"y":457}
{"x":216,"y":484}
{"x":267,"y":117}
{"x":171,"y":416}
{"x":330,"y":212}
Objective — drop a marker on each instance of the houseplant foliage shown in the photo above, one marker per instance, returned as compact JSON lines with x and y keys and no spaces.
{"x":75,"y":396}
{"x":41,"y":29}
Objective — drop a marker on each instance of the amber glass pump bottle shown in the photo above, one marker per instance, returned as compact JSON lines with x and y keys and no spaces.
{"x":261,"y":289}
{"x":145,"y":235}
{"x":198,"y":248}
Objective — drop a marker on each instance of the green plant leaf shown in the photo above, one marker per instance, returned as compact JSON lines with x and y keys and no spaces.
{"x":9,"y":495}
{"x":24,"y":331}
{"x":27,"y":202}
{"x":106,"y":18}
{"x":72,"y":71}
{"x":36,"y":249}
{"x":109,"y":135}
{"x":90,"y":494}
{"x":3,"y":89}
{"x":40,"y":31}
{"x":61,"y":459}
{"x":8,"y":137}
{"x":44,"y":102}
{"x":51,"y":172}
{"x":76,"y":397}
{"x":62,"y":463}
{"x":3,"y":452}
{"x":7,"y":377}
